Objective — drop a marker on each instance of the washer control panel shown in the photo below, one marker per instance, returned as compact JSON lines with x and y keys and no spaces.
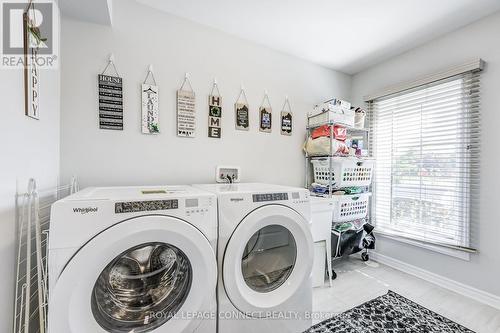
{"x":195,"y":206}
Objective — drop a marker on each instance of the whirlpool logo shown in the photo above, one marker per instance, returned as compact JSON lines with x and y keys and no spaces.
{"x":236,"y":199}
{"x":85,"y":210}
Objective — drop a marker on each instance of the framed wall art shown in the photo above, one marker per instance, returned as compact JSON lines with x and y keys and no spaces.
{"x":265,"y":115}
{"x":241,"y":110}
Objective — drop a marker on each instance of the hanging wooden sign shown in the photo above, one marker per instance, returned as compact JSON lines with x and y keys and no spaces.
{"x":241,"y":109}
{"x":214,"y":116}
{"x":242,"y":116}
{"x":186,"y":111}
{"x":110,"y":102}
{"x":214,"y":113}
{"x":150,"y":112}
{"x":286,"y":119}
{"x":150,"y":115}
{"x":265,"y":116}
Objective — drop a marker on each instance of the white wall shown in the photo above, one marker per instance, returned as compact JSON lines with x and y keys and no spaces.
{"x":476,"y":40}
{"x":29,"y":148}
{"x":140,"y":36}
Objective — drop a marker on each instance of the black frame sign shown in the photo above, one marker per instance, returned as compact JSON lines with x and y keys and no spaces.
{"x":110,"y":102}
{"x":266,"y":119}
{"x":286,"y":123}
{"x":242,"y":116}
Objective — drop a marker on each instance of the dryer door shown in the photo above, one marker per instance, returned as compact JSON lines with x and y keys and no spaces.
{"x":147,"y":274}
{"x":267,"y":259}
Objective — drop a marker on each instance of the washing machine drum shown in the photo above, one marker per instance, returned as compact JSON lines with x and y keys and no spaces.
{"x":142,"y":275}
{"x":152,"y":278}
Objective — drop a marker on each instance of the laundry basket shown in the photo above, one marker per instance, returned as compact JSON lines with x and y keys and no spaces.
{"x":347,"y":171}
{"x":350,"y":207}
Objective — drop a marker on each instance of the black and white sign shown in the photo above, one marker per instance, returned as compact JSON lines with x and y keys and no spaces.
{"x":242,"y":116}
{"x":286,"y":123}
{"x":286,"y":118}
{"x":214,"y":116}
{"x":186,"y":114}
{"x":265,"y":115}
{"x":110,"y":102}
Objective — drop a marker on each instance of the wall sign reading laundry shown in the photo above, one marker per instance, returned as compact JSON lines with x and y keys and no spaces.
{"x":214,"y":113}
{"x":241,"y":112}
{"x":150,"y":114}
{"x":265,"y":116}
{"x":286,"y":118}
{"x":186,"y":111}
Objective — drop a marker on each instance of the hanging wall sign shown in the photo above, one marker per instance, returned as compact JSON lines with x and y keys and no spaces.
{"x":32,"y":42}
{"x":150,"y":115}
{"x":214,"y":113}
{"x":150,"y":112}
{"x":265,"y":116}
{"x":110,"y":99}
{"x":286,"y":118}
{"x":242,"y":112}
{"x":110,"y":102}
{"x":186,"y":111}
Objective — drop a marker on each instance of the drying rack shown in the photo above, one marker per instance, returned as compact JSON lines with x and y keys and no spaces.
{"x":31,"y":289}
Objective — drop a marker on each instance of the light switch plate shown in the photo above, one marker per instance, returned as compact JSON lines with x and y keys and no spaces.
{"x":223,"y":172}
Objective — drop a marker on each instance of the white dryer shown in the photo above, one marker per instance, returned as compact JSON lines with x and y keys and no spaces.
{"x":133,"y":259}
{"x":265,"y":257}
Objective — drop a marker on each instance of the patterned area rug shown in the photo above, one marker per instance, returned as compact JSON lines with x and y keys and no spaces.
{"x":391,"y":313}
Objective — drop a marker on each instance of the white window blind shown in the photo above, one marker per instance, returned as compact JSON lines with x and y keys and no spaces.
{"x":426,"y":143}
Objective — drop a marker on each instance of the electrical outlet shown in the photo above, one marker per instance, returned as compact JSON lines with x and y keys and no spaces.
{"x":228,"y":174}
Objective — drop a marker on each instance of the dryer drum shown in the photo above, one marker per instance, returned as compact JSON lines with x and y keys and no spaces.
{"x":269,"y":258}
{"x":142,"y":288}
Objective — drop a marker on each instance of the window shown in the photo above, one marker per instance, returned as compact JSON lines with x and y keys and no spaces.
{"x":426,"y":145}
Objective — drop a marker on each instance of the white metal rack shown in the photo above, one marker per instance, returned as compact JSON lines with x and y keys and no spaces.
{"x":363,"y":133}
{"x":352,"y":131}
{"x":31,"y":289}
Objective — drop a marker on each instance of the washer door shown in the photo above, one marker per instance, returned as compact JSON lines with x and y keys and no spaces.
{"x":147,"y":274}
{"x":267,"y":259}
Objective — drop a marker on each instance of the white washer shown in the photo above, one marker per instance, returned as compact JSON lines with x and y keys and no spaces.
{"x":133,"y":259}
{"x":265,"y":257}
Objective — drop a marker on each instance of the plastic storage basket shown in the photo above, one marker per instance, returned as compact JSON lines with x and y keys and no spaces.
{"x":350,"y":207}
{"x":347,"y":171}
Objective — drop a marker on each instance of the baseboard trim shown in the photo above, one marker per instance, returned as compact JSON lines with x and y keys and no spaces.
{"x":458,"y":287}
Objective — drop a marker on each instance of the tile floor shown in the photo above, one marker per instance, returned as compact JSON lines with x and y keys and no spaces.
{"x":358,"y":282}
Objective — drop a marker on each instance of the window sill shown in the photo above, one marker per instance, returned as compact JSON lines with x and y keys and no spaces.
{"x":435,"y":248}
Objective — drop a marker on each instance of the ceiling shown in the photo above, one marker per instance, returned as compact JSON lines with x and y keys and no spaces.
{"x":345,"y":35}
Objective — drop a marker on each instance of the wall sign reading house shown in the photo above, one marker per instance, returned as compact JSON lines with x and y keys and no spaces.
{"x":110,"y":102}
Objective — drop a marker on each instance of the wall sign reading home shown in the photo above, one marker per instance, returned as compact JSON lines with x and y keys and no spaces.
{"x":214,"y":116}
{"x":110,"y":102}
